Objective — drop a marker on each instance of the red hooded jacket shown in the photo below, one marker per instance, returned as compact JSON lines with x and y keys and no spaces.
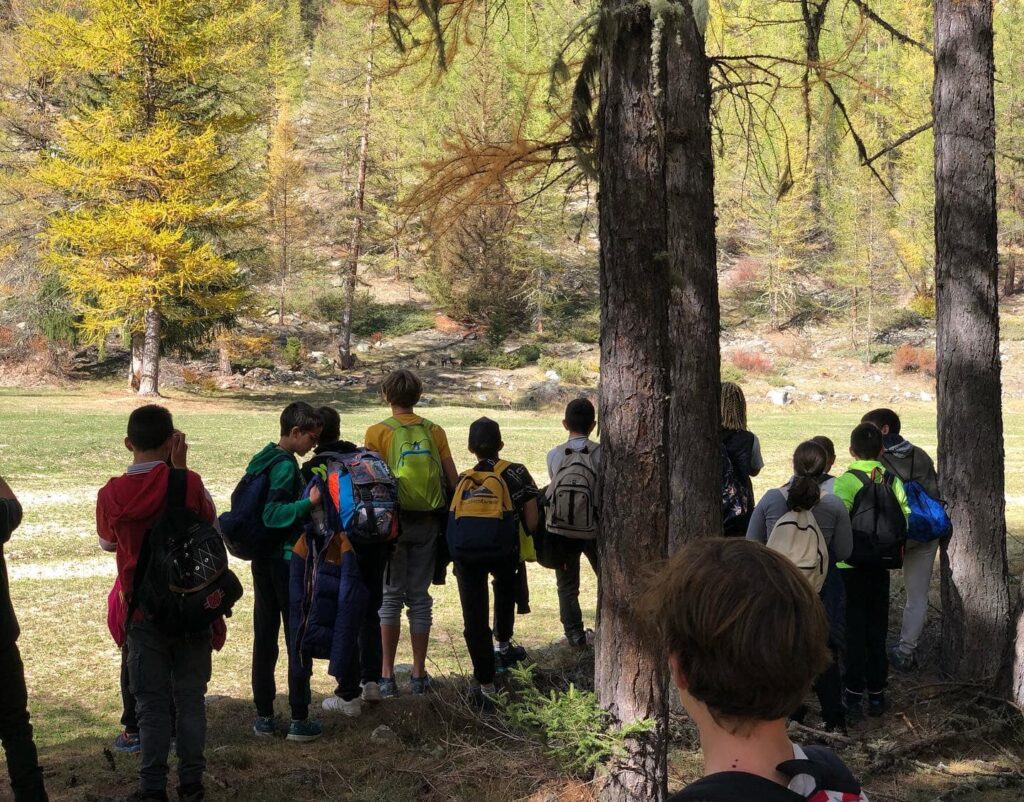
{"x":128,"y":505}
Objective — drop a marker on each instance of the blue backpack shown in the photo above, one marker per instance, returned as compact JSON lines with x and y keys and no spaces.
{"x":242,"y":527}
{"x":928,"y":519}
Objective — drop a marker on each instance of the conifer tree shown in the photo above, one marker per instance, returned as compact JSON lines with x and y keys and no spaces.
{"x":286,"y":209}
{"x":155,"y":93}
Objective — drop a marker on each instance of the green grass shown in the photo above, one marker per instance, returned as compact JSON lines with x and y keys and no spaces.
{"x":58,"y":448}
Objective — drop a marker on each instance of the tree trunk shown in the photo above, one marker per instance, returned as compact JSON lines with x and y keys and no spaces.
{"x":135,"y":369}
{"x":150,"y":383}
{"x":975,"y":592}
{"x":1010,"y":284}
{"x":346,"y":357}
{"x":223,"y":359}
{"x":659,"y":354}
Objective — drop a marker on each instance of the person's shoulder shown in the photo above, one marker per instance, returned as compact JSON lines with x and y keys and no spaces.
{"x":734,"y":786}
{"x":835,"y":774}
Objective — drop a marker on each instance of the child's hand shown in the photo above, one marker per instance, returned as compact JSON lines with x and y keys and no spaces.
{"x":314,"y":495}
{"x":179,"y":449}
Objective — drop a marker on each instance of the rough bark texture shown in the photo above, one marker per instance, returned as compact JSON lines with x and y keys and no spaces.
{"x":659,"y":352}
{"x":150,"y":382}
{"x":975,"y":593}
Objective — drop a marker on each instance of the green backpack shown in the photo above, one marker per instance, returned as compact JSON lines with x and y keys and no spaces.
{"x":415,"y":461}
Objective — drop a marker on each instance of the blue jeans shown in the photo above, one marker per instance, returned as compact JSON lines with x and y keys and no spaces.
{"x":162,"y":668}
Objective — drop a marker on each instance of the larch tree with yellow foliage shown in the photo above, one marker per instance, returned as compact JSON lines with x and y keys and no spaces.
{"x":160,"y":97}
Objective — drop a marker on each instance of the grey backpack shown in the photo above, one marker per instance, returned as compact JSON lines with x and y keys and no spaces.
{"x":573,"y":497}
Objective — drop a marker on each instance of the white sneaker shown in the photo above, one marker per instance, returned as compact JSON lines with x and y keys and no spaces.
{"x":371,"y":692}
{"x":335,"y":704}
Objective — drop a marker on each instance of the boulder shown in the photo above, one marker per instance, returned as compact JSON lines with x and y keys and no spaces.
{"x":780,"y":398}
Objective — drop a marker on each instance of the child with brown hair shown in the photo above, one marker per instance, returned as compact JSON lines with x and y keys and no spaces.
{"x":739,"y":689}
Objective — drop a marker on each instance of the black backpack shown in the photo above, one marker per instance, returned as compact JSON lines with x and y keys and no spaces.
{"x":879,"y":525}
{"x":242,"y":527}
{"x":182,"y":581}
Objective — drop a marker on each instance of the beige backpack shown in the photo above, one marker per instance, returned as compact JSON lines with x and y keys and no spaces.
{"x":797,"y":536}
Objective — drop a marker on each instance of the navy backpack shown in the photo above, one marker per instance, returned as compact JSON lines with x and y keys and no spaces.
{"x":242,"y":527}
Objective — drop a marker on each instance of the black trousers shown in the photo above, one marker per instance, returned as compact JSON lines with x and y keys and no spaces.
{"x":829,"y":688}
{"x":867,"y":623}
{"x":365,"y":666}
{"x":270,"y":611}
{"x":473,"y":596}
{"x":129,"y":706}
{"x":16,"y":731}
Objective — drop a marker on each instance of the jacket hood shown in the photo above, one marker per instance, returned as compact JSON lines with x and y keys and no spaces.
{"x":897,"y":447}
{"x":262,"y":460}
{"x":135,"y":497}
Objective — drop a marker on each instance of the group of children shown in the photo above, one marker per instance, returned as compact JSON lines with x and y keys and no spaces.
{"x":857,"y":512}
{"x":787,"y":637}
{"x":164,"y":676}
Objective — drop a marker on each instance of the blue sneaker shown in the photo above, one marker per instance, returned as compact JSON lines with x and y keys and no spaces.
{"x":264,"y":726}
{"x":419,"y":685}
{"x":128,"y":743}
{"x":304,"y":731}
{"x":388,"y":688}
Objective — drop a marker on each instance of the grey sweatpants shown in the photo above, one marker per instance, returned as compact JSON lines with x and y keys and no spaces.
{"x":918,"y":562}
{"x":407,"y":579}
{"x":159,"y":667}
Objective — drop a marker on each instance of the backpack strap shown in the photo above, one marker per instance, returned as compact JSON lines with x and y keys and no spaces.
{"x":865,"y":480}
{"x":177,"y":485}
{"x":177,"y":488}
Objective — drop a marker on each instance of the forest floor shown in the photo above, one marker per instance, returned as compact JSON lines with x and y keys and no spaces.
{"x":57,"y":447}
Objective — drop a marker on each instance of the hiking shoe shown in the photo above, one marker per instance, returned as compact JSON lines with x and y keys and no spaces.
{"x":146,"y":796}
{"x":902,"y":661}
{"x":419,"y":685}
{"x":388,"y":688}
{"x":371,"y":692}
{"x":264,"y":726}
{"x":877,"y":704}
{"x":193,"y":792}
{"x":304,"y":731}
{"x":347,"y":707}
{"x":582,"y":640}
{"x":854,"y":704}
{"x":513,"y":655}
{"x":128,"y":743}
{"x":485,"y":699}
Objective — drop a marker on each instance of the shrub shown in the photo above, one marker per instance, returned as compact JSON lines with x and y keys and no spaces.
{"x":753,"y":361}
{"x":371,"y":317}
{"x":293,"y":353}
{"x":909,"y":359}
{"x":485,"y":355}
{"x":572,"y":371}
{"x":247,"y":351}
{"x":731,"y":373}
{"x":923,"y":305}
{"x":198,"y":381}
{"x":575,"y":731}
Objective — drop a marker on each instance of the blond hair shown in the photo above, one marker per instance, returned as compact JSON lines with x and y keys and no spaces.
{"x":734,"y":407}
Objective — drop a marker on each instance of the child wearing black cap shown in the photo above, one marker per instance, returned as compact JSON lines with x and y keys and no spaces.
{"x":486,"y":443}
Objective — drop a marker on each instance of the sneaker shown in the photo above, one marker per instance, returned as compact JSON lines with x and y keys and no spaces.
{"x":371,"y":692}
{"x":128,"y":742}
{"x":582,"y":640}
{"x":304,"y":731}
{"x":877,"y":704}
{"x":902,"y":661}
{"x":347,"y":707}
{"x":193,"y":792}
{"x":512,"y":655}
{"x":419,"y":685}
{"x":854,"y":704}
{"x":264,"y":726}
{"x":388,"y":688}
{"x":485,"y":699}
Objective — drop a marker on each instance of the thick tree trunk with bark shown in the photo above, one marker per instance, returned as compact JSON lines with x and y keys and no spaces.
{"x":659,"y":354}
{"x":150,"y":382}
{"x":975,"y":593}
{"x":346,"y":358}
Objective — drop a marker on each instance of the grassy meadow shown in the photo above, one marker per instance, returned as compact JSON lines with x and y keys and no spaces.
{"x":58,"y":447}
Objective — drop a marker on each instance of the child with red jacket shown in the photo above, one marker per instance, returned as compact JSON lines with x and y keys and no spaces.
{"x":159,"y":666}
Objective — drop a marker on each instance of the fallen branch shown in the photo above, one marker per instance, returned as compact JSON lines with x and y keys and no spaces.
{"x":886,"y":757}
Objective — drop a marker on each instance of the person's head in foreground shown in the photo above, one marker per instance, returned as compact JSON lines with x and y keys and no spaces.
{"x":745,"y":637}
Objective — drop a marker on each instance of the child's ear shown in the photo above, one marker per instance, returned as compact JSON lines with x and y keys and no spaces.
{"x":565,"y":425}
{"x":678,"y":678}
{"x":128,"y":445}
{"x":851,"y":453}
